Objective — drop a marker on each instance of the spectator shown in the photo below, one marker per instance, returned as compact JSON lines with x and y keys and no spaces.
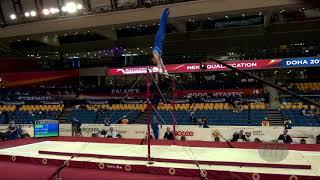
{"x":318,"y":139}
{"x":155,"y":127}
{"x":168,"y":135}
{"x":303,"y":141}
{"x":103,"y":133}
{"x":2,"y":136}
{"x":216,"y":135}
{"x":285,"y":138}
{"x":76,"y":127}
{"x":192,"y":117}
{"x":304,"y":112}
{"x":112,"y":133}
{"x":12,"y":131}
{"x":248,"y":135}
{"x":265,"y":122}
{"x":124,"y":120}
{"x":257,"y":140}
{"x":204,"y":122}
{"x":106,"y":121}
{"x":287,"y":124}
{"x":237,"y":136}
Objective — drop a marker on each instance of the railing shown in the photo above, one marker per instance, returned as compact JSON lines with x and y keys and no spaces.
{"x":105,"y":7}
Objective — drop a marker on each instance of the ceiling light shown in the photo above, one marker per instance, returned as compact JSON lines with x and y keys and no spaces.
{"x":46,"y":12}
{"x":53,"y":10}
{"x":26,"y":14}
{"x":64,"y":9}
{"x":13,"y":17}
{"x":70,"y":7}
{"x":79,"y":6}
{"x":33,"y":13}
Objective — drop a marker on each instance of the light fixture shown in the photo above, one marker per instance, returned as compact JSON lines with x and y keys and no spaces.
{"x":71,"y":7}
{"x":46,"y":12}
{"x":243,"y":15}
{"x":226,"y":17}
{"x":260,"y":13}
{"x":13,"y":17}
{"x":33,"y":13}
{"x":26,"y":14}
{"x":52,"y":10}
{"x":79,"y":6}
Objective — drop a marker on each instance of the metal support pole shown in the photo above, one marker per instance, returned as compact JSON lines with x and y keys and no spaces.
{"x":174,"y":106}
{"x":148,"y":96}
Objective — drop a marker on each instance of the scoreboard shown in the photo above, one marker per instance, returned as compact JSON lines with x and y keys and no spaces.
{"x":46,"y":128}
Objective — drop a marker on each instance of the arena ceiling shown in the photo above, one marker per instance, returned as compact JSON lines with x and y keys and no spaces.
{"x":98,"y":32}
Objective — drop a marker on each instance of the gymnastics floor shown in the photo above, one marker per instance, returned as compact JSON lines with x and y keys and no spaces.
{"x":167,"y":160}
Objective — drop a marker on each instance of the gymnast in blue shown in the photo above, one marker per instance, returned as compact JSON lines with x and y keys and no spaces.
{"x":158,"y":44}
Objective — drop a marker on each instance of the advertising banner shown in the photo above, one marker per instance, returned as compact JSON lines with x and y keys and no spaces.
{"x":212,"y":66}
{"x":300,"y":62}
{"x":193,"y":132}
{"x":217,"y":93}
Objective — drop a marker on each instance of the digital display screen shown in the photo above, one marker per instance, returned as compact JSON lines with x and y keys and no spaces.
{"x":46,"y":128}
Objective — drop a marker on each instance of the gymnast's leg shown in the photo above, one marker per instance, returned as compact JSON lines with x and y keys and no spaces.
{"x":157,"y":49}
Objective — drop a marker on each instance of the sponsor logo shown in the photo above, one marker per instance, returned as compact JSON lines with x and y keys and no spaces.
{"x":184,"y":133}
{"x":140,"y":132}
{"x":114,"y":166}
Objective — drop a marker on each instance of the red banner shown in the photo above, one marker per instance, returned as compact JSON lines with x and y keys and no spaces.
{"x":28,"y":78}
{"x":195,"y":67}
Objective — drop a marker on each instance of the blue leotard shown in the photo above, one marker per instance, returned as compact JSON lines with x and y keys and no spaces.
{"x":158,"y":43}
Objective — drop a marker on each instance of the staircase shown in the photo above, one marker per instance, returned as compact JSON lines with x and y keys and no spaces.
{"x":65,"y":116}
{"x":274,"y":97}
{"x":141,"y":118}
{"x":274,"y":117}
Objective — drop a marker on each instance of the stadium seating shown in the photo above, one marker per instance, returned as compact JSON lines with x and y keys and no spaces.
{"x":29,"y":113}
{"x":85,"y":116}
{"x":293,"y":111}
{"x":114,"y":112}
{"x":6,"y":109}
{"x":309,"y":87}
{"x":216,"y":113}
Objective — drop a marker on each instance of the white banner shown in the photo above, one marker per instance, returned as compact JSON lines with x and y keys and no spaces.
{"x":192,"y":132}
{"x":28,"y":128}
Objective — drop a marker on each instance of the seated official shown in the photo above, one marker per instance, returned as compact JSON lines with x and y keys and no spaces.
{"x":285,"y":138}
{"x":239,"y":136}
{"x":12,"y":131}
{"x":112,"y":133}
{"x":168,"y":135}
